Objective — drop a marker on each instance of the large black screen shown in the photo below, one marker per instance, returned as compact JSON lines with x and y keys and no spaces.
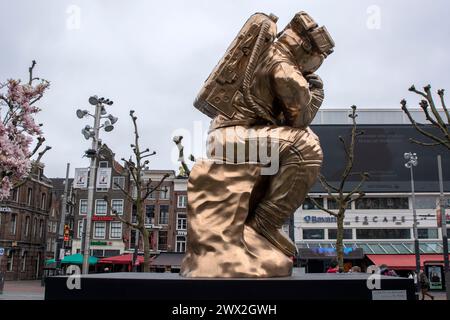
{"x":380,"y":152}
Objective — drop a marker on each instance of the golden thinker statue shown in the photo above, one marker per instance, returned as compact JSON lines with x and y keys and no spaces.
{"x":262,"y":156}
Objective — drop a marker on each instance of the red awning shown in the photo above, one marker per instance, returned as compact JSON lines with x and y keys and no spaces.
{"x":404,"y":261}
{"x":123,"y":259}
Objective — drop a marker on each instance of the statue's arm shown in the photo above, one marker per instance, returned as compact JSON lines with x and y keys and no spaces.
{"x":300,"y":97}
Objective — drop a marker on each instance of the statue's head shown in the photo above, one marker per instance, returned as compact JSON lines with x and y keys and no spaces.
{"x":309,"y":43}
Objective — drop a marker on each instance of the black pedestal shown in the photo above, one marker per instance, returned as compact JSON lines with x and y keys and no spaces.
{"x":170,"y":286}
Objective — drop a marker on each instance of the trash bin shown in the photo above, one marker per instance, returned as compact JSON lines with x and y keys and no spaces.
{"x":2,"y":281}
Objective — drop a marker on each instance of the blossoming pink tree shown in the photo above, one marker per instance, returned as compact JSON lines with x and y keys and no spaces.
{"x":18,"y":129}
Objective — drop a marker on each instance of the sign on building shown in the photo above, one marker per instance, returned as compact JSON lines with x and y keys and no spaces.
{"x":81,"y":178}
{"x":104,"y":178}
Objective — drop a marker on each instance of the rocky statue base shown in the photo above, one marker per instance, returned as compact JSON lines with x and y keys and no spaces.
{"x":173,"y":287}
{"x":220,"y":244}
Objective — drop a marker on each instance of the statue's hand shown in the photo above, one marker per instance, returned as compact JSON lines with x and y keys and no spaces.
{"x":314,"y":81}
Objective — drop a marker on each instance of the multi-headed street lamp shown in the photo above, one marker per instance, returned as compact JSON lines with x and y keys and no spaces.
{"x":410,"y":164}
{"x":93,"y":133}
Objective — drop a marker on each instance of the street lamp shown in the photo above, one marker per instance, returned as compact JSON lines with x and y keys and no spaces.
{"x":410,"y":164}
{"x":88,"y":133}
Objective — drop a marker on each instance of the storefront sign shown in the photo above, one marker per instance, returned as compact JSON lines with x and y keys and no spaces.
{"x":366,"y":220}
{"x":439,"y":217}
{"x":5,"y":209}
{"x":435,"y":277}
{"x":99,"y":243}
{"x":104,"y":178}
{"x":81,"y":178}
{"x":99,"y":218}
{"x":181,"y":233}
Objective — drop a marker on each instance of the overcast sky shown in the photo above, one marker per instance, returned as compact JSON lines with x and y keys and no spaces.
{"x":153,"y":56}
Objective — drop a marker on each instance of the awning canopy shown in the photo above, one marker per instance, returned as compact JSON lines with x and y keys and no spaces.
{"x":167,"y":259}
{"x":78,"y":259}
{"x":403,"y":261}
{"x":122,"y":259}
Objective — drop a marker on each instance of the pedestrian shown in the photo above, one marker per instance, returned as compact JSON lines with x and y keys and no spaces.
{"x":425,"y":285}
{"x":355,"y":269}
{"x":385,"y":271}
{"x":334,"y":267}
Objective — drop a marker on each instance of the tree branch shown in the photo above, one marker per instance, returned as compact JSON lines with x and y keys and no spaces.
{"x":441,"y":95}
{"x":149,"y":192}
{"x":334,"y":214}
{"x":109,"y":208}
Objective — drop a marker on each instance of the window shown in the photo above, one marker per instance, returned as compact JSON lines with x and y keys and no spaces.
{"x":115,"y":231}
{"x":35,"y":227}
{"x":43,"y":201}
{"x":10,"y":261}
{"x":14,"y":194}
{"x":181,"y":244}
{"x":29,"y":196}
{"x":54,"y":226}
{"x":103,"y":164}
{"x":27,"y":226}
{"x":118,"y":181}
{"x":41,"y":228}
{"x":164,"y":214}
{"x":117,"y":206}
{"x":83,"y":206}
{"x":164,"y":193}
{"x":427,"y":202}
{"x":162,"y":240}
{"x":99,"y":230}
{"x":382,"y":203}
{"x":24,"y":262}
{"x":383,"y":234}
{"x":149,"y":213}
{"x":332,"y":234}
{"x":100,"y":207}
{"x":181,"y":221}
{"x":182,"y":201}
{"x":49,"y":226}
{"x":313,"y":234}
{"x":80,"y":229}
{"x":431,"y":233}
{"x":333,"y":205}
{"x":309,"y":205}
{"x":49,"y":244}
{"x":13,"y":224}
{"x":152,"y":195}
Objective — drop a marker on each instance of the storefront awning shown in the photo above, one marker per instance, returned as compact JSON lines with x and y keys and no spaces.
{"x":167,"y":259}
{"x":403,"y":261}
{"x":123,"y":259}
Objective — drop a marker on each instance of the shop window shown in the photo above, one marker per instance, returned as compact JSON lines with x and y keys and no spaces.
{"x":382,"y":203}
{"x":309,"y":205}
{"x":431,"y":233}
{"x":332,"y":234}
{"x":369,"y":234}
{"x":313,"y":234}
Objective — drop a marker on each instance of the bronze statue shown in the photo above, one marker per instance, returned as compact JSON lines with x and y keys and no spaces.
{"x":262,"y":96}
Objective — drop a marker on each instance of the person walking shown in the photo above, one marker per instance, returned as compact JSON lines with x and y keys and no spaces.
{"x":425,"y":285}
{"x":334,"y":267}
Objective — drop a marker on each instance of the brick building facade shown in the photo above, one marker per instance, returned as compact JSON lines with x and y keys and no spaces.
{"x":23,"y":226}
{"x":109,"y":236}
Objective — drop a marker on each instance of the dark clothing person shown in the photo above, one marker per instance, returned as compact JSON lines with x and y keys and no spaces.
{"x":425,"y":286}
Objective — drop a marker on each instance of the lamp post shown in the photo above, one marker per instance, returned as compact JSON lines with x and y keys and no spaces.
{"x":93,"y":133}
{"x":410,"y":164}
{"x":444,"y":229}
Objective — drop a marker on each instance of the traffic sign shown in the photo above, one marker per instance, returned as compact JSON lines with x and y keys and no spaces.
{"x":2,"y":251}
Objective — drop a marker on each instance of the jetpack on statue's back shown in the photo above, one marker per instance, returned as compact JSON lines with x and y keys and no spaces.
{"x":235,"y":70}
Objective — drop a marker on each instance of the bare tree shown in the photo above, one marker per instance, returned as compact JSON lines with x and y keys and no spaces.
{"x":184,"y":170}
{"x":442,"y":135}
{"x":142,"y":190}
{"x":337,"y":194}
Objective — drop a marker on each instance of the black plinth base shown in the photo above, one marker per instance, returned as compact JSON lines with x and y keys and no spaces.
{"x":170,"y":286}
